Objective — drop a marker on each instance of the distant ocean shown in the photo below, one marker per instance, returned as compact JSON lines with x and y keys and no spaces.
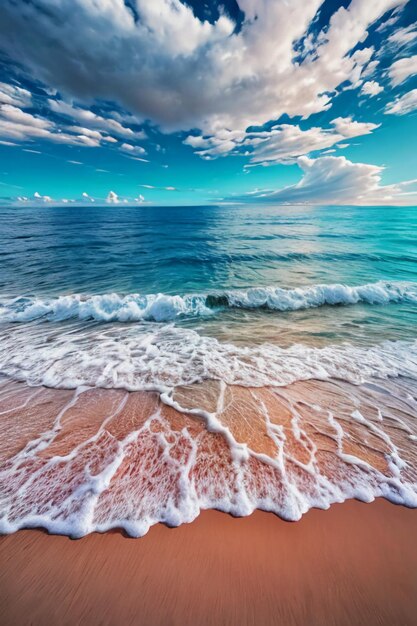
{"x":309,"y":310}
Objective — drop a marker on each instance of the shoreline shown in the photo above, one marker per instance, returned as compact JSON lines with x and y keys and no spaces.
{"x":354,"y":563}
{"x":96,"y":459}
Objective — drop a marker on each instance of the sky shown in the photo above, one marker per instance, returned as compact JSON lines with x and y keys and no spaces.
{"x":170,"y":102}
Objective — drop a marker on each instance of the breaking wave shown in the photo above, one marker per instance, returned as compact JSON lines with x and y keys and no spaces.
{"x":164,"y":308}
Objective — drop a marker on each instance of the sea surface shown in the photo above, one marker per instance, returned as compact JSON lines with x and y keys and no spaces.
{"x":306,"y":309}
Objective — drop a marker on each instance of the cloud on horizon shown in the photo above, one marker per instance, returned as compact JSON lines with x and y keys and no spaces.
{"x":336,"y":180}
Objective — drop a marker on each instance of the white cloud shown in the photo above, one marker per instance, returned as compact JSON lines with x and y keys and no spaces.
{"x":112,"y":198}
{"x":393,"y":19}
{"x":90,"y":119}
{"x":16,"y":96}
{"x":39,"y":197}
{"x":402,"y":69}
{"x":336,"y":180}
{"x":129,"y":149}
{"x":180,"y":72}
{"x":348,"y":128}
{"x":19,"y":125}
{"x":406,"y":103}
{"x":23,"y":126}
{"x":96,"y":136}
{"x":281,"y":144}
{"x":404,"y":36}
{"x":369,"y":69}
{"x":371,"y":88}
{"x":167,"y":188}
{"x":87,"y":197}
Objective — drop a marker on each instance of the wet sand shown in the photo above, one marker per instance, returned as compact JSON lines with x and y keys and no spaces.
{"x":353,"y":564}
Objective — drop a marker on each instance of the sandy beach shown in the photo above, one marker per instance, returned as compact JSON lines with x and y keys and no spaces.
{"x":353,"y":564}
{"x":75,"y":462}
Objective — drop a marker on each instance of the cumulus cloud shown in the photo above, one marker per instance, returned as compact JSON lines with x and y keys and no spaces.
{"x":407,"y":103}
{"x":336,"y":180}
{"x":129,"y":149}
{"x":219,"y":82}
{"x":194,"y":81}
{"x":283,"y":143}
{"x":112,"y":198}
{"x":371,"y":88}
{"x":402,"y":69}
{"x":349,"y":128}
{"x":39,"y":197}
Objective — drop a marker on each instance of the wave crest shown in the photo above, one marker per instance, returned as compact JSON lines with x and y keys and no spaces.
{"x":164,"y":308}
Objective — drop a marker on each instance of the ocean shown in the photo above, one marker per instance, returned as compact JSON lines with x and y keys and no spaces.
{"x":170,"y":359}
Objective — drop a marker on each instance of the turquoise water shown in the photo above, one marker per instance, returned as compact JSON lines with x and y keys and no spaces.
{"x":50,"y":251}
{"x":109,"y":280}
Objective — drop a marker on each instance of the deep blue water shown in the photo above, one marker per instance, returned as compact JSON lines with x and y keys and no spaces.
{"x":46,"y":251}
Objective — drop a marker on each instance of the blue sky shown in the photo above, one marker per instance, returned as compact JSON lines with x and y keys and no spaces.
{"x":167,"y":102}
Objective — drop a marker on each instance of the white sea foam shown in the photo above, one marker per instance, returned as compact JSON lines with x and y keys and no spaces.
{"x":158,"y":357}
{"x":164,"y":308}
{"x":170,"y":474}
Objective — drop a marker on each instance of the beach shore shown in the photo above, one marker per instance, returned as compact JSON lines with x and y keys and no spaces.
{"x":76,"y":461}
{"x":352,"y":564}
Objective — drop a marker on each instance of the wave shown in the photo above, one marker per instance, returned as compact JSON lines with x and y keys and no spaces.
{"x":158,"y":357}
{"x":165,"y":308}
